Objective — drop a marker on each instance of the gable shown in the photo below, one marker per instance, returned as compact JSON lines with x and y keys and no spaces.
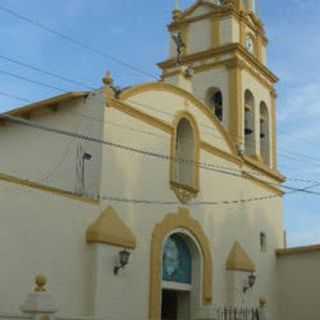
{"x":200,"y":8}
{"x":161,"y":103}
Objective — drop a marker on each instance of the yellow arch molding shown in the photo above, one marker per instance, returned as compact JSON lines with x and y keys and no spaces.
{"x":173,"y":221}
{"x":161,"y":86}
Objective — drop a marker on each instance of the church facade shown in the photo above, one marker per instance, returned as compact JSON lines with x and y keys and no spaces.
{"x":166,"y":201}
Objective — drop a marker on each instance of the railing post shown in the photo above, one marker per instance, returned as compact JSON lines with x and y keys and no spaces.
{"x":39,"y":304}
{"x":262,"y":309}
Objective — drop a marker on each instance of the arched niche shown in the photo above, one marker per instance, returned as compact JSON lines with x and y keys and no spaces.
{"x":178,"y":222}
{"x":264,"y":133}
{"x":185,"y":156}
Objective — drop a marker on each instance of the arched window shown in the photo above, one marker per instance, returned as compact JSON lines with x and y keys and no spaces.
{"x":185,"y":153}
{"x":249,"y":133}
{"x":264,"y":133}
{"x":215,"y":101}
{"x":177,"y":261}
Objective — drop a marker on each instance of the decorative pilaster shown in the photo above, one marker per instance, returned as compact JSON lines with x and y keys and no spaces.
{"x":274,"y":142}
{"x":236,"y":109}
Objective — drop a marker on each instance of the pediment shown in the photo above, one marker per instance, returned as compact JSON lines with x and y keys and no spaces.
{"x":200,"y":8}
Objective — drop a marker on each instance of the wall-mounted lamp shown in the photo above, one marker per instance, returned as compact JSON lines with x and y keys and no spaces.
{"x":124,"y":256}
{"x":250,"y":282}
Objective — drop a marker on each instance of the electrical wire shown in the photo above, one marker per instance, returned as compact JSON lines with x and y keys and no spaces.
{"x":75,"y":42}
{"x":150,"y":133}
{"x":49,"y":73}
{"x":131,"y":149}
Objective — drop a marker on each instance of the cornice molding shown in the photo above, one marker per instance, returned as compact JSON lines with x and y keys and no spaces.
{"x":297,"y":251}
{"x":45,"y":188}
{"x":235,"y":48}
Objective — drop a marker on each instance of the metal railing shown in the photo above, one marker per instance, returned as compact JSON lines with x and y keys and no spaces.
{"x":234,"y":313}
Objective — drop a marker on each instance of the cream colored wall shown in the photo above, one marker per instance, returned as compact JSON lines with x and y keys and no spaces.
{"x":299,"y":284}
{"x":48,"y":232}
{"x":230,"y":31}
{"x":49,"y":158}
{"x":213,"y":78}
{"x":44,"y":233}
{"x":198,"y":43}
{"x":130,"y":175}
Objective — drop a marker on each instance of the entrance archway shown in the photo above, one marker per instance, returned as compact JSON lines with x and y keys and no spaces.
{"x":192,"y":233}
{"x":181,"y":271}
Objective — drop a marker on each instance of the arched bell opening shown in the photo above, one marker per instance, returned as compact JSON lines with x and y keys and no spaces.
{"x":264,"y":133}
{"x":215,"y":102}
{"x":249,"y":127}
{"x":181,"y":277}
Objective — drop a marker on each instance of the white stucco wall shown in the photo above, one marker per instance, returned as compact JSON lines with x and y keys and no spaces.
{"x":50,"y":158}
{"x":42,"y":232}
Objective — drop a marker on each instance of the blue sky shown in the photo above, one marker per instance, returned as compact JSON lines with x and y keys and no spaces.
{"x":135,"y":31}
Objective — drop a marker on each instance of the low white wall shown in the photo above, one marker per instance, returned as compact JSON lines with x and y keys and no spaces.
{"x":299,"y":286}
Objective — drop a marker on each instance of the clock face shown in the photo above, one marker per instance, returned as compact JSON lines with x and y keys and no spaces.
{"x":249,"y":44}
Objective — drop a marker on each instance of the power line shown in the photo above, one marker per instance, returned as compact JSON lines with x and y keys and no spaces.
{"x":127,"y":148}
{"x":11,"y":96}
{"x":14,"y":75}
{"x":49,"y":73}
{"x":76,"y":42}
{"x":150,"y":133}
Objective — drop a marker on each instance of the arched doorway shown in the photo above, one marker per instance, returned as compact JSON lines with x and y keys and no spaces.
{"x":180,"y":277}
{"x":199,"y":293}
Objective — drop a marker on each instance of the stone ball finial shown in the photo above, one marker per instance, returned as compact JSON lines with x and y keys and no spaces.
{"x":262,"y":301}
{"x":176,"y":14}
{"x":108,"y":80}
{"x":40,"y":282}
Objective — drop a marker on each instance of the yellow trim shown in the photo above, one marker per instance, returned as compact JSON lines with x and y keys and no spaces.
{"x":167,"y":128}
{"x":172,"y":222}
{"x":236,"y":49}
{"x":110,"y":229}
{"x":220,"y":153}
{"x":264,"y":184}
{"x":274,"y":129}
{"x":258,"y":43}
{"x":194,"y":190}
{"x":161,"y":86}
{"x":298,"y":250}
{"x":249,"y":19}
{"x":215,"y":32}
{"x":154,"y":122}
{"x":236,"y":121}
{"x":238,"y":260}
{"x":122,"y":106}
{"x":258,"y":165}
{"x":45,"y":188}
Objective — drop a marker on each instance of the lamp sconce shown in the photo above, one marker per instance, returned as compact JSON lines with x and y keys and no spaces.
{"x":249,"y":283}
{"x":123,"y":260}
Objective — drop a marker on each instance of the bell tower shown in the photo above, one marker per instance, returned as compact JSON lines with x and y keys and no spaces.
{"x":224,"y":43}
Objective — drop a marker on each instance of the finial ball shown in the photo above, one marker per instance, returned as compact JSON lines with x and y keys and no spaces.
{"x":108,"y":80}
{"x":40,"y":282}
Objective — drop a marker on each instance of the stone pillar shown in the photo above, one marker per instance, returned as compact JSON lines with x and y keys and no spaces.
{"x":40,"y":304}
